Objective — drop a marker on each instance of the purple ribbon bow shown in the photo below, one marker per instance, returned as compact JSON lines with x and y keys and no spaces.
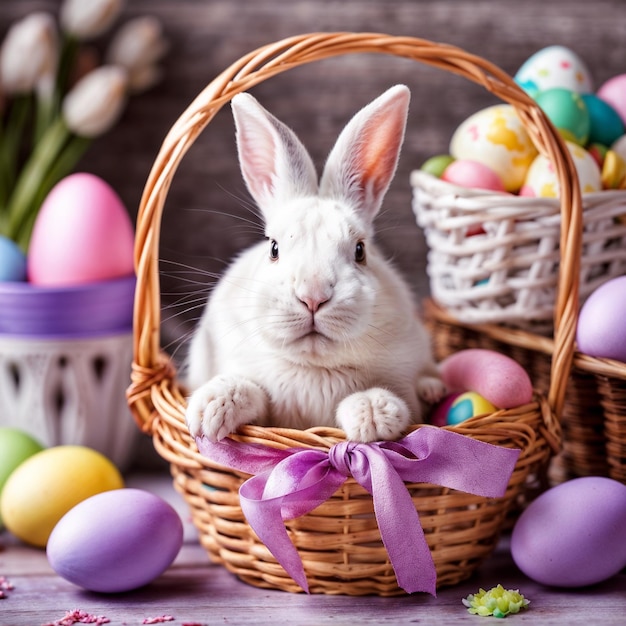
{"x":289,"y":483}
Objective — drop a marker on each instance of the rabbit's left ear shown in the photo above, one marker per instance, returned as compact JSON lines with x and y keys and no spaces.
{"x":363,"y":161}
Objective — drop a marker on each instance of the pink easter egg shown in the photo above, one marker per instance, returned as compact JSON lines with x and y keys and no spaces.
{"x":613,"y":92}
{"x":82,"y":234}
{"x":472,"y":174}
{"x":496,"y":377}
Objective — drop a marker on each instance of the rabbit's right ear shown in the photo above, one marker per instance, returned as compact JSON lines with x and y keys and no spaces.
{"x":274,"y":163}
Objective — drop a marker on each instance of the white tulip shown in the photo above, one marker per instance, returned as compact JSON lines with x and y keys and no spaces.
{"x":96,"y":102}
{"x":29,"y":54}
{"x":137,"y":46}
{"x":86,"y":19}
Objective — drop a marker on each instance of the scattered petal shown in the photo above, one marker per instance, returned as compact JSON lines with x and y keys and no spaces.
{"x":497,"y":602}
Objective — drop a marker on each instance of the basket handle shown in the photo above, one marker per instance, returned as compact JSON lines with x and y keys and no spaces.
{"x":151,"y":369}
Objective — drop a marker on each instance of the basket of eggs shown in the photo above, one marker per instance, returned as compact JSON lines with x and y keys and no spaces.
{"x":322,"y":508}
{"x":490,"y":210}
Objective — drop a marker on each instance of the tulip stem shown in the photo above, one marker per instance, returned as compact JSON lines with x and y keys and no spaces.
{"x":65,"y":163}
{"x":36,"y":168}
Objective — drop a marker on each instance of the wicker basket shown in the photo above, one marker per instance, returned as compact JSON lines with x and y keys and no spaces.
{"x":508,"y":273}
{"x":339,"y":542}
{"x":593,"y":419}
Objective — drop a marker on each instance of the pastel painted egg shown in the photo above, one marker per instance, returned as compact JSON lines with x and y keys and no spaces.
{"x":605,"y":124}
{"x":567,"y":111}
{"x":542,"y":182}
{"x":613,"y":171}
{"x":468,"y":404}
{"x":574,"y":534}
{"x":437,"y":164}
{"x":48,"y":484}
{"x":495,"y":376}
{"x":601,"y":331}
{"x":613,"y":92}
{"x":554,"y":66}
{"x":115,"y":541}
{"x":496,"y":137}
{"x":472,"y":174}
{"x":12,"y":261}
{"x":15,"y":447}
{"x":82,"y":234}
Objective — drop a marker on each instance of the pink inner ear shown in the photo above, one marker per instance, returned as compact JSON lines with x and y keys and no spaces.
{"x":257,"y":159}
{"x":379,"y":151}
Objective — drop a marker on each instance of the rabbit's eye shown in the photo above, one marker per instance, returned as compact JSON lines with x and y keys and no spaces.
{"x":273,"y":250}
{"x":359,"y":252}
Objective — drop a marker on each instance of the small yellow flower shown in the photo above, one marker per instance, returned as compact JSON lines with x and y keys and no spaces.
{"x":497,"y":602}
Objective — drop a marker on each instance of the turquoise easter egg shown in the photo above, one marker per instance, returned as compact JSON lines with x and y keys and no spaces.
{"x":568,"y":112}
{"x":468,"y":404}
{"x":605,"y":124}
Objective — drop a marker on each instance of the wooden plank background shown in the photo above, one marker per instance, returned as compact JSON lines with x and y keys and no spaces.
{"x":207,"y":213}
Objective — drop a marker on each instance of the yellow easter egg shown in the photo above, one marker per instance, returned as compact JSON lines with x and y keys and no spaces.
{"x":496,"y":137}
{"x":541,"y":180}
{"x":48,"y":484}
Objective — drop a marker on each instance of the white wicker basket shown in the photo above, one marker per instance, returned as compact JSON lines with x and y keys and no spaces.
{"x":70,"y":391}
{"x":507,"y":272}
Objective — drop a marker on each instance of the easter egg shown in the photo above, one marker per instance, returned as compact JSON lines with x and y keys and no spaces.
{"x":598,"y":152}
{"x":472,"y":174}
{"x":12,"y":261}
{"x":15,"y":447}
{"x":542,"y":182}
{"x":574,"y":534}
{"x":495,"y":376}
{"x":613,"y":92}
{"x":496,"y":137}
{"x":437,"y":164}
{"x":115,"y":541}
{"x":601,"y":331}
{"x":439,"y":412}
{"x":605,"y":124}
{"x":82,"y":234}
{"x":566,"y":109}
{"x":48,"y":484}
{"x":466,"y":405}
{"x":554,"y":66}
{"x":613,"y":171}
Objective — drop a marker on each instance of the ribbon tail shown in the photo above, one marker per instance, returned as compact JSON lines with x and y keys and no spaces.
{"x":400,"y":529}
{"x":265,"y":517}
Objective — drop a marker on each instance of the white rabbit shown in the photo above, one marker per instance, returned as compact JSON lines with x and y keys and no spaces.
{"x":313,"y":327}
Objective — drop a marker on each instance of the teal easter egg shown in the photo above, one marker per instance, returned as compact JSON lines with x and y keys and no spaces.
{"x":568,"y":112}
{"x":605,"y":124}
{"x":468,"y":404}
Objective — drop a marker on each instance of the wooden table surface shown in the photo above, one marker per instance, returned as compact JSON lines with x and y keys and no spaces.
{"x":194,"y":592}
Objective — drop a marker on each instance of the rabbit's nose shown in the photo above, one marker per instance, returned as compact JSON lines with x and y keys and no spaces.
{"x":313,"y":303}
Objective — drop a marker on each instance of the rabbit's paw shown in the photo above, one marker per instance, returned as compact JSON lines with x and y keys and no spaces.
{"x":224,"y":403}
{"x":373,"y":415}
{"x":431,"y":389}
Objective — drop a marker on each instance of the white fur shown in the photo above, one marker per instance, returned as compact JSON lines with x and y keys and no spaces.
{"x":314,"y":337}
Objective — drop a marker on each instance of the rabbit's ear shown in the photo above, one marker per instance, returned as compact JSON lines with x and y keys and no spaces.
{"x":362,"y":163}
{"x":274,"y":163}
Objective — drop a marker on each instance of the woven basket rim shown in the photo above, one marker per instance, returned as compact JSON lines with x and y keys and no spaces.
{"x":153,"y":375}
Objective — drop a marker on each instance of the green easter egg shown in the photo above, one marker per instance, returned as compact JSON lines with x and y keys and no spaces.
{"x":15,"y":447}
{"x":436,"y":165}
{"x":568,"y":112}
